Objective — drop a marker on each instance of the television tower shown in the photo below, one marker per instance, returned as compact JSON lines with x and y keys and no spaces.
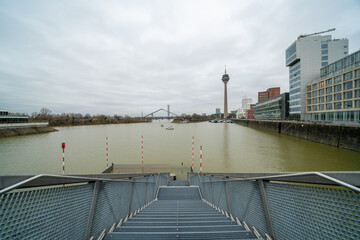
{"x":225,"y":79}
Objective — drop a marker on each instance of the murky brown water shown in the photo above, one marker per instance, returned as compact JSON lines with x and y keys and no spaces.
{"x":226,"y":148}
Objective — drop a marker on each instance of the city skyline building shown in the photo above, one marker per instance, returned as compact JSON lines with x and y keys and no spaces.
{"x":269,"y":93}
{"x":225,"y":79}
{"x":336,"y":95}
{"x":304,"y":58}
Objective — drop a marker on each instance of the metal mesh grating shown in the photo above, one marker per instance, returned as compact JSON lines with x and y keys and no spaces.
{"x":45,"y":213}
{"x":313,"y":212}
{"x":112,"y":205}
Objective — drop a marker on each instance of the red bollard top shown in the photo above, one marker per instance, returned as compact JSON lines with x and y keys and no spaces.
{"x":63,"y":145}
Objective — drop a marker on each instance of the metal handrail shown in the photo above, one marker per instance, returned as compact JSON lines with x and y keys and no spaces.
{"x":83,"y":179}
{"x":334,"y":180}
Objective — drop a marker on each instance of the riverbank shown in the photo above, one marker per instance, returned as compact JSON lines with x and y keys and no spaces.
{"x":347,"y":137}
{"x":12,"y":132}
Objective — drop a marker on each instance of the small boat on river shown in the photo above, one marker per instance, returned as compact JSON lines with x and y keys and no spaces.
{"x":170,"y":128}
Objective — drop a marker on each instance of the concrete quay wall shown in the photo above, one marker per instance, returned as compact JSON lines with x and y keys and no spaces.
{"x":347,"y":137}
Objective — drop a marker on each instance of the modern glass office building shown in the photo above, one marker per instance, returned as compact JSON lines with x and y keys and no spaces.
{"x":304,"y":58}
{"x":336,"y":97}
{"x":275,"y":108}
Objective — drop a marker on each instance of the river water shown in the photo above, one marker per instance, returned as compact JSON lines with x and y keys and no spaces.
{"x":226,"y":148}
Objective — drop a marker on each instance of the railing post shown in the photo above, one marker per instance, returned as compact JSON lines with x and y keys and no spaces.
{"x":92,"y":210}
{"x":146,"y":184}
{"x":227,"y":197}
{"x":212,"y":191}
{"x":131,"y":196}
{"x":266,"y":209}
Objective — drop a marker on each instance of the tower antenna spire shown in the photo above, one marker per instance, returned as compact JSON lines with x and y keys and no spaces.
{"x":225,"y":69}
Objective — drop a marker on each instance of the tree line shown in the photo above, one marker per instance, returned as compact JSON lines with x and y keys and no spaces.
{"x":77,"y":119}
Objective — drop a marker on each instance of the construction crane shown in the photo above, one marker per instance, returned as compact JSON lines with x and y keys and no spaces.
{"x":307,"y":35}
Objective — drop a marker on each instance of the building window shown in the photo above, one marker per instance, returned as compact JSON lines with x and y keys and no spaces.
{"x":314,"y":94}
{"x":328,"y":82}
{"x":309,"y":108}
{"x":308,"y":102}
{"x":328,"y":106}
{"x":348,"y":85}
{"x":345,"y":52}
{"x":324,"y":45}
{"x":328,"y":90}
{"x":345,"y":46}
{"x":321,"y":92}
{"x":357,"y":93}
{"x":308,"y":95}
{"x":348,"y":76}
{"x":314,"y":108}
{"x":337,"y":79}
{"x":324,"y":58}
{"x":337,"y":105}
{"x":329,"y":98}
{"x":321,"y":107}
{"x":347,"y":104}
{"x":324,"y":51}
{"x":314,"y":100}
{"x":357,"y":103}
{"x":357,"y":73}
{"x":321,"y":99}
{"x":323,"y":64}
{"x":337,"y":96}
{"x":337,"y":88}
{"x":308,"y":88}
{"x":348,"y":95}
{"x":357,"y":83}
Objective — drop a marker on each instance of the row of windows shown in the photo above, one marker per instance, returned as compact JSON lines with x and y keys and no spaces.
{"x":294,"y":80}
{"x":347,"y":116}
{"x":295,"y":85}
{"x":337,"y":96}
{"x":295,"y":109}
{"x":347,"y":76}
{"x":341,"y":65}
{"x":336,"y":105}
{"x":336,"y":88}
{"x":292,"y":97}
{"x":294,"y":68}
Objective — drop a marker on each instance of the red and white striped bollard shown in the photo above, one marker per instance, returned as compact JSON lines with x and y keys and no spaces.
{"x":107,"y":152}
{"x":200,"y":159}
{"x":192,"y":157}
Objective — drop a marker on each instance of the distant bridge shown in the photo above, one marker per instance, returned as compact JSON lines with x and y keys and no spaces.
{"x":170,"y":115}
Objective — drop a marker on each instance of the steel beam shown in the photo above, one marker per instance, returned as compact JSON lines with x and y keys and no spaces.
{"x":266,"y":209}
{"x":350,"y":177}
{"x":92,"y":210}
{"x":48,"y":179}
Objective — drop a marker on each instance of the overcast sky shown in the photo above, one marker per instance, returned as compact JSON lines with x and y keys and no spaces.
{"x":129,"y":57}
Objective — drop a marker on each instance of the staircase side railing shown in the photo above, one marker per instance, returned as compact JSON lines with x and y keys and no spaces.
{"x":42,"y":207}
{"x":307,"y":205}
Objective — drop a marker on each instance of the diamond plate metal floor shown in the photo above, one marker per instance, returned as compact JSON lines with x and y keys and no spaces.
{"x":179,"y":213}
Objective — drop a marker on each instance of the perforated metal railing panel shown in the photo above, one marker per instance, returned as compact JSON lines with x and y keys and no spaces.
{"x":246,"y":204}
{"x":298,"y":211}
{"x":62,"y":212}
{"x":313,"y":212}
{"x":51,"y":213}
{"x":112,"y":204}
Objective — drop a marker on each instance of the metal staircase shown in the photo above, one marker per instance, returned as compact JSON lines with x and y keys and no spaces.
{"x":180,"y":213}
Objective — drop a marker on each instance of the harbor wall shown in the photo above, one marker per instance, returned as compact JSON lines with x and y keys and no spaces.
{"x":347,"y":137}
{"x":19,"y":131}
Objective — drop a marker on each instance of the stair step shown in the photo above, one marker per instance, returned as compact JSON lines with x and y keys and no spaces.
{"x":178,"y":183}
{"x":177,"y":223}
{"x":188,"y":235}
{"x":178,"y":228}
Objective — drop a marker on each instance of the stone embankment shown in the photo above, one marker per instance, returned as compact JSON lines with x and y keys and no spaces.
{"x":11,"y":132}
{"x":347,"y":137}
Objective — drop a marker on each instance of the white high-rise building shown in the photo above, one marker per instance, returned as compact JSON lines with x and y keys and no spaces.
{"x":241,"y":112}
{"x":304,"y":58}
{"x":246,"y":101}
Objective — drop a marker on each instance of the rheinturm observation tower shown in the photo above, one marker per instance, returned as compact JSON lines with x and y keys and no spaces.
{"x":225,"y":79}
